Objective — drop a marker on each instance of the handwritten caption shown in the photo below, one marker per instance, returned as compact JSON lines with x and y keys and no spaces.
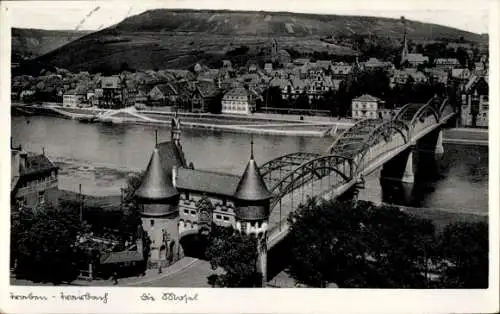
{"x":63,"y":296}
{"x":169,"y":297}
{"x":104,"y":298}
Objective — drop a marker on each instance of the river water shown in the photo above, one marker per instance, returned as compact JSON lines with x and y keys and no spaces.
{"x":101,"y":156}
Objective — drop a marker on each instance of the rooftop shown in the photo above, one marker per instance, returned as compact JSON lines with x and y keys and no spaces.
{"x":36,"y":164}
{"x":206,"y":181}
{"x":367,"y":98}
{"x":251,"y":186}
{"x":156,"y":184}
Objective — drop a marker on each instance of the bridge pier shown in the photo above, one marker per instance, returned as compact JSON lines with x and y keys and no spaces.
{"x":439,"y":150}
{"x":409,"y":173}
{"x":400,"y":168}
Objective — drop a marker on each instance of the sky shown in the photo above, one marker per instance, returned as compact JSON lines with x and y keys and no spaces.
{"x":470,"y":15}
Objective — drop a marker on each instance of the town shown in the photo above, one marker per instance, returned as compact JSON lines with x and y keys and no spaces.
{"x":174,"y":214}
{"x":355,"y":87}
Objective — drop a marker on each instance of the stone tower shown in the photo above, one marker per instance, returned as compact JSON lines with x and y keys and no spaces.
{"x":274,"y":50}
{"x":252,"y":201}
{"x":158,"y":200}
{"x":175,"y":133}
{"x":404,"y":52}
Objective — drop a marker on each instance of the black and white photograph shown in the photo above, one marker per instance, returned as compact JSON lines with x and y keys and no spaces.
{"x":302,"y":144}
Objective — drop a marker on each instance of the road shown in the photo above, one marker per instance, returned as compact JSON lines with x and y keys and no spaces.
{"x":194,"y":275}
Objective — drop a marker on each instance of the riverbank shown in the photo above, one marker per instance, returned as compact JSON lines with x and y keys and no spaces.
{"x":257,"y":123}
{"x":253,"y":124}
{"x":108,"y":203}
{"x":471,"y":136}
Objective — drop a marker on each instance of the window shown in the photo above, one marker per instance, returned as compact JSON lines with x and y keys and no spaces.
{"x":186,"y":211}
{"x":152,"y":222}
{"x":193,"y":212}
{"x":226,"y":218}
{"x":219,"y":217}
{"x":41,"y":197}
{"x":21,"y":202}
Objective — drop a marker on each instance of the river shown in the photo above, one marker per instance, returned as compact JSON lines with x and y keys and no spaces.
{"x":101,"y":156}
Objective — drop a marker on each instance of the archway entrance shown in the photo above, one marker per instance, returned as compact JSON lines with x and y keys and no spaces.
{"x":194,"y":245}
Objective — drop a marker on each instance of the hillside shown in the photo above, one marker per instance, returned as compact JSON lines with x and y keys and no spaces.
{"x":167,"y":38}
{"x":31,"y":43}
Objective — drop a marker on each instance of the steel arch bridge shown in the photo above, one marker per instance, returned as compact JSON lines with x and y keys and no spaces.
{"x":293,"y":178}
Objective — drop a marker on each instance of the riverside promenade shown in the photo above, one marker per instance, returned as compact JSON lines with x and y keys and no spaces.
{"x":257,"y":123}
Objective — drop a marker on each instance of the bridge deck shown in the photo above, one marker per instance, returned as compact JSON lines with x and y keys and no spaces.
{"x":352,"y":144}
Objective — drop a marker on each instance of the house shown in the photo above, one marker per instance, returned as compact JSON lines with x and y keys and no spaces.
{"x":72,"y":99}
{"x":252,"y":80}
{"x":129,"y":96}
{"x":111,"y":91}
{"x":26,"y":94}
{"x":374,"y":63}
{"x":367,"y":107}
{"x":301,"y":61}
{"x":416,"y":59}
{"x":461,"y":75}
{"x":284,"y":56}
{"x":323,"y":64}
{"x":238,"y":100}
{"x":163,"y":94}
{"x":226,"y":64}
{"x":252,"y":68}
{"x":197,"y":68}
{"x":400,"y":77}
{"x":204,"y":93}
{"x":300,"y":86}
{"x":268,"y":67}
{"x":475,"y":102}
{"x":34,"y":181}
{"x":284,"y":84}
{"x":92,"y":99}
{"x":437,"y":75}
{"x":446,"y":63}
{"x":142,"y":95}
{"x":340,"y":71}
{"x":456,"y":46}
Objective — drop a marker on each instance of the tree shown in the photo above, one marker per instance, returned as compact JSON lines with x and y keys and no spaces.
{"x":465,"y":245}
{"x":44,"y":246}
{"x":272,"y":97}
{"x":215,"y":103}
{"x":358,"y":246}
{"x":236,"y":254}
{"x":134,"y":180}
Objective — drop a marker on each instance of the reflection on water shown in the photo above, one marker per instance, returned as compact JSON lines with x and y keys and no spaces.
{"x":100,"y":157}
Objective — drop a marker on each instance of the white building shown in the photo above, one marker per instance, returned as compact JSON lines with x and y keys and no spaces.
{"x":367,"y":107}
{"x":238,"y":100}
{"x":72,"y":100}
{"x":475,"y":103}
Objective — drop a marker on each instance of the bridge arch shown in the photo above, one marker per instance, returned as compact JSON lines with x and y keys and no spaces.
{"x":314,"y":169}
{"x":357,"y":140}
{"x":277,"y":168}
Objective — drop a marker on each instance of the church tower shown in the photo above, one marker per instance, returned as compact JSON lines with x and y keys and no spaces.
{"x":158,"y":201}
{"x":404,"y":53}
{"x":274,"y":50}
{"x":252,"y":201}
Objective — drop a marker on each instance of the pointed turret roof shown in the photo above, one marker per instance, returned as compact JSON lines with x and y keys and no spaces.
{"x":251,"y":186}
{"x":156,"y":184}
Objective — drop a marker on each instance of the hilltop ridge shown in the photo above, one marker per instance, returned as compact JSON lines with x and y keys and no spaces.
{"x":178,"y":38}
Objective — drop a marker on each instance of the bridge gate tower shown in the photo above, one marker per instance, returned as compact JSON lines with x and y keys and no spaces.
{"x":158,"y":201}
{"x":252,"y":202}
